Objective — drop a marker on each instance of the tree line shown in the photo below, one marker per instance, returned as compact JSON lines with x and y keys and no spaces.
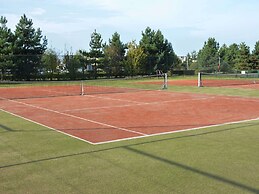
{"x":230,"y":59}
{"x":24,"y":56}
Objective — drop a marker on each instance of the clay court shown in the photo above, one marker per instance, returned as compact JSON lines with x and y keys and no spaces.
{"x":110,"y":117}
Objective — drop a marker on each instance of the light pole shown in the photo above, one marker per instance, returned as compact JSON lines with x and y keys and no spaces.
{"x":219,"y":65}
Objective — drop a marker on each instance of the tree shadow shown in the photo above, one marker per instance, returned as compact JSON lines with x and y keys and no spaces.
{"x":129,"y":146}
{"x":7,"y":129}
{"x":132,"y":144}
{"x":193,"y":170}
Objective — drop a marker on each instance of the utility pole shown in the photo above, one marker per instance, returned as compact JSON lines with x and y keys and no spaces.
{"x":219,"y":65}
{"x":187,"y":67}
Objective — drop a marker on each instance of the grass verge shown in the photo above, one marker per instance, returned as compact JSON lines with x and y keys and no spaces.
{"x":222,"y":159}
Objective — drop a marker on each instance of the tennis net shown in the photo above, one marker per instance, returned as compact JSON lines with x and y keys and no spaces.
{"x":24,"y":90}
{"x":221,"y":80}
{"x":128,"y":84}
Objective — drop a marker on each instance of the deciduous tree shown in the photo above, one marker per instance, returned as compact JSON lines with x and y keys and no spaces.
{"x":135,"y":59}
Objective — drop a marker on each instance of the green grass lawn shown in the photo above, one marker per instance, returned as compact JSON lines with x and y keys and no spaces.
{"x":35,"y":159}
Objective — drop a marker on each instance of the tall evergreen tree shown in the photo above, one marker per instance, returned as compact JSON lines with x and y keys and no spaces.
{"x":114,"y":55}
{"x":255,"y":57}
{"x":29,"y":45}
{"x":223,"y":61}
{"x":6,"y":46}
{"x":148,"y":44}
{"x":230,"y":56}
{"x":72,"y":65}
{"x":167,"y":57}
{"x":243,"y":58}
{"x":160,"y":53}
{"x":96,"y":52}
{"x":208,"y":56}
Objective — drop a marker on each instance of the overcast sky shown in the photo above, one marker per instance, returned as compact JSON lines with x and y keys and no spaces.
{"x":187,"y":24}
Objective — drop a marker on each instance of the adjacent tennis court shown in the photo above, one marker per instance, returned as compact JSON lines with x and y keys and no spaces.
{"x":245,"y":81}
{"x":115,"y":116}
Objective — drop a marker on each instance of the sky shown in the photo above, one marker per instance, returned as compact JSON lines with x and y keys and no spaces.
{"x":68,"y":24}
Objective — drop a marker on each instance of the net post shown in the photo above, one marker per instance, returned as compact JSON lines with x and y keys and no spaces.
{"x":199,"y":80}
{"x":165,"y":84}
{"x":82,"y":92}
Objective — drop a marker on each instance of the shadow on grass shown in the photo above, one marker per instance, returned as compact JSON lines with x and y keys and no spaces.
{"x":7,"y":129}
{"x":130,"y":144}
{"x":194,"y":170}
{"x":154,"y":157}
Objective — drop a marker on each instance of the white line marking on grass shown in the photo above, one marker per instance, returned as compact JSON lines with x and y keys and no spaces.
{"x":47,"y":127}
{"x":177,"y":131}
{"x":80,"y":118}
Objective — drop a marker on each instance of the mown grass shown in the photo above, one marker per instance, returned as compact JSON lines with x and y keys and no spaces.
{"x":35,"y":159}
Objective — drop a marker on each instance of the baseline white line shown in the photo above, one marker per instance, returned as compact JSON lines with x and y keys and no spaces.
{"x":114,"y":99}
{"x":138,"y":104}
{"x":241,"y":98}
{"x":177,"y":131}
{"x":76,"y":117}
{"x":47,"y":127}
{"x":137,"y":137}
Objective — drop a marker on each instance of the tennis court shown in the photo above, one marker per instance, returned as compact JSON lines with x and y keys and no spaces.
{"x":109,"y":117}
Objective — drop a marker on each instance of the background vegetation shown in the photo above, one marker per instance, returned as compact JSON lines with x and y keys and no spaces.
{"x":24,"y":56}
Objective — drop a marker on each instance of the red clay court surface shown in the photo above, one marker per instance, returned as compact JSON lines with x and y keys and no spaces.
{"x":113,"y":117}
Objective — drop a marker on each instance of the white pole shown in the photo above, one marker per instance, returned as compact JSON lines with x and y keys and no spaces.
{"x":82,"y":89}
{"x":165,"y":81}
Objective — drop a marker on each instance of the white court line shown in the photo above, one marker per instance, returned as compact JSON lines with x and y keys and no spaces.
{"x":250,"y":99}
{"x":47,"y":127}
{"x":137,"y":137}
{"x":177,"y":131}
{"x":138,"y":104}
{"x":76,"y":117}
{"x":114,"y":99}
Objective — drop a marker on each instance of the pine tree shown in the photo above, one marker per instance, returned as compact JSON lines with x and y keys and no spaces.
{"x":147,"y":43}
{"x":29,"y":45}
{"x":6,"y":46}
{"x":208,"y":56}
{"x":160,"y":53}
{"x":243,"y":58}
{"x":95,"y":53}
{"x":255,"y":57}
{"x":114,"y":54}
